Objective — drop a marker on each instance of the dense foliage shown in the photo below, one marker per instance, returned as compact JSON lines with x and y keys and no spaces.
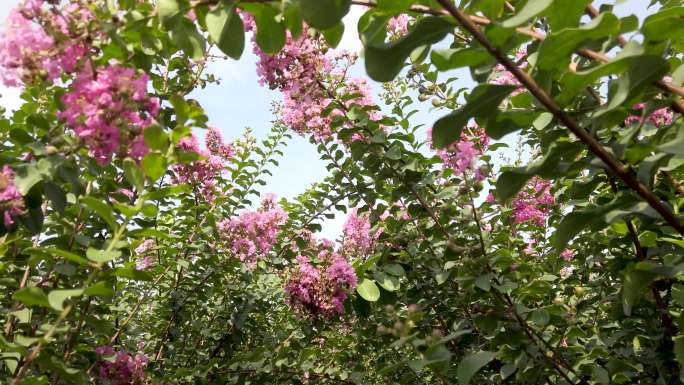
{"x":135,"y":253}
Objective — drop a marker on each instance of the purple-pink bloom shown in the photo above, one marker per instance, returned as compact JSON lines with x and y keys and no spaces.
{"x":567,"y":254}
{"x":28,"y":52}
{"x":124,"y":369}
{"x":320,"y":286}
{"x":11,"y":201}
{"x":252,"y":234}
{"x":203,"y":173}
{"x":398,"y":26}
{"x":462,"y":154}
{"x":534,"y":202}
{"x":659,"y":118}
{"x":358,"y":239}
{"x":109,"y":110}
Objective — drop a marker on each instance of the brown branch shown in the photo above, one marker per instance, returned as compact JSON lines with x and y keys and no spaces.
{"x":594,"y":146}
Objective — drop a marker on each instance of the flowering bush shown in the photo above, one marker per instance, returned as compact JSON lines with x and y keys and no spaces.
{"x":535,"y":237}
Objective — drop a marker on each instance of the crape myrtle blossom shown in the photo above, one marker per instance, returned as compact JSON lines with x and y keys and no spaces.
{"x":122,"y":368}
{"x":311,"y":77}
{"x":203,"y":173}
{"x":109,"y":110}
{"x":398,"y":26}
{"x":320,"y":285}
{"x":144,"y":256}
{"x":461,"y":156}
{"x":11,"y":201}
{"x":501,"y":76}
{"x":533,"y":203}
{"x":358,"y":238}
{"x":567,"y":254}
{"x":40,"y":43}
{"x":659,"y":118}
{"x":252,"y":234}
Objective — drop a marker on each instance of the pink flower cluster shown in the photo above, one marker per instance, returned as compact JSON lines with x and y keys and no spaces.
{"x":502,"y":76}
{"x":358,"y":239}
{"x":660,"y":117}
{"x":461,"y":155}
{"x":320,"y":287}
{"x":398,"y":26}
{"x":144,"y":257}
{"x":202,"y":174}
{"x":299,"y":71}
{"x":533,"y":202}
{"x":11,"y":202}
{"x":42,"y":44}
{"x":124,"y":369}
{"x":567,"y":254}
{"x":252,"y":234}
{"x":109,"y":110}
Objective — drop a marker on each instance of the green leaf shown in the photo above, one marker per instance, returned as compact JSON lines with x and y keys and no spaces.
{"x":56,"y":298}
{"x":394,"y":6}
{"x":31,"y":296}
{"x":557,"y":48}
{"x":483,"y":101}
{"x":270,"y":35}
{"x":471,"y":365}
{"x":133,"y":274}
{"x":169,"y":12}
{"x":540,"y":317}
{"x":133,"y":174}
{"x":333,"y":35}
{"x":100,"y":289}
{"x":676,"y":145}
{"x":25,"y":177}
{"x":566,"y":14}
{"x":102,"y":256}
{"x":449,"y":58}
{"x":324,"y":14}
{"x":505,"y":122}
{"x":507,"y":370}
{"x":384,"y":61}
{"x":156,"y":138}
{"x":643,"y":70}
{"x":226,"y":30}
{"x":154,"y":165}
{"x":56,"y":196}
{"x":634,"y":284}
{"x":100,"y":208}
{"x":510,"y":182}
{"x":664,"y":25}
{"x":368,"y":290}
{"x":530,"y":10}
{"x":187,"y":38}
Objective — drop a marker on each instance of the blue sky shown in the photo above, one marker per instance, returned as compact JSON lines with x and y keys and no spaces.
{"x":239,"y":102}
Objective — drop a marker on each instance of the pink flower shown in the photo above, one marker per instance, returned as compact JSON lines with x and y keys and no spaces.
{"x":358,"y":239}
{"x":504,"y":77}
{"x":203,"y":174}
{"x":11,"y":201}
{"x":28,"y":52}
{"x":533,"y":202}
{"x":461,"y":155}
{"x":216,"y":146}
{"x":299,"y":71}
{"x":659,"y":118}
{"x":124,"y":369}
{"x":530,"y":249}
{"x":252,"y":234}
{"x":145,"y":258}
{"x":320,"y":287}
{"x":109,"y":110}
{"x":398,"y":26}
{"x":566,"y":271}
{"x":567,"y":254}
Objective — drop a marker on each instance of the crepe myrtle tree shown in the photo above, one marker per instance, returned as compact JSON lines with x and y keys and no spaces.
{"x":132,"y":252}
